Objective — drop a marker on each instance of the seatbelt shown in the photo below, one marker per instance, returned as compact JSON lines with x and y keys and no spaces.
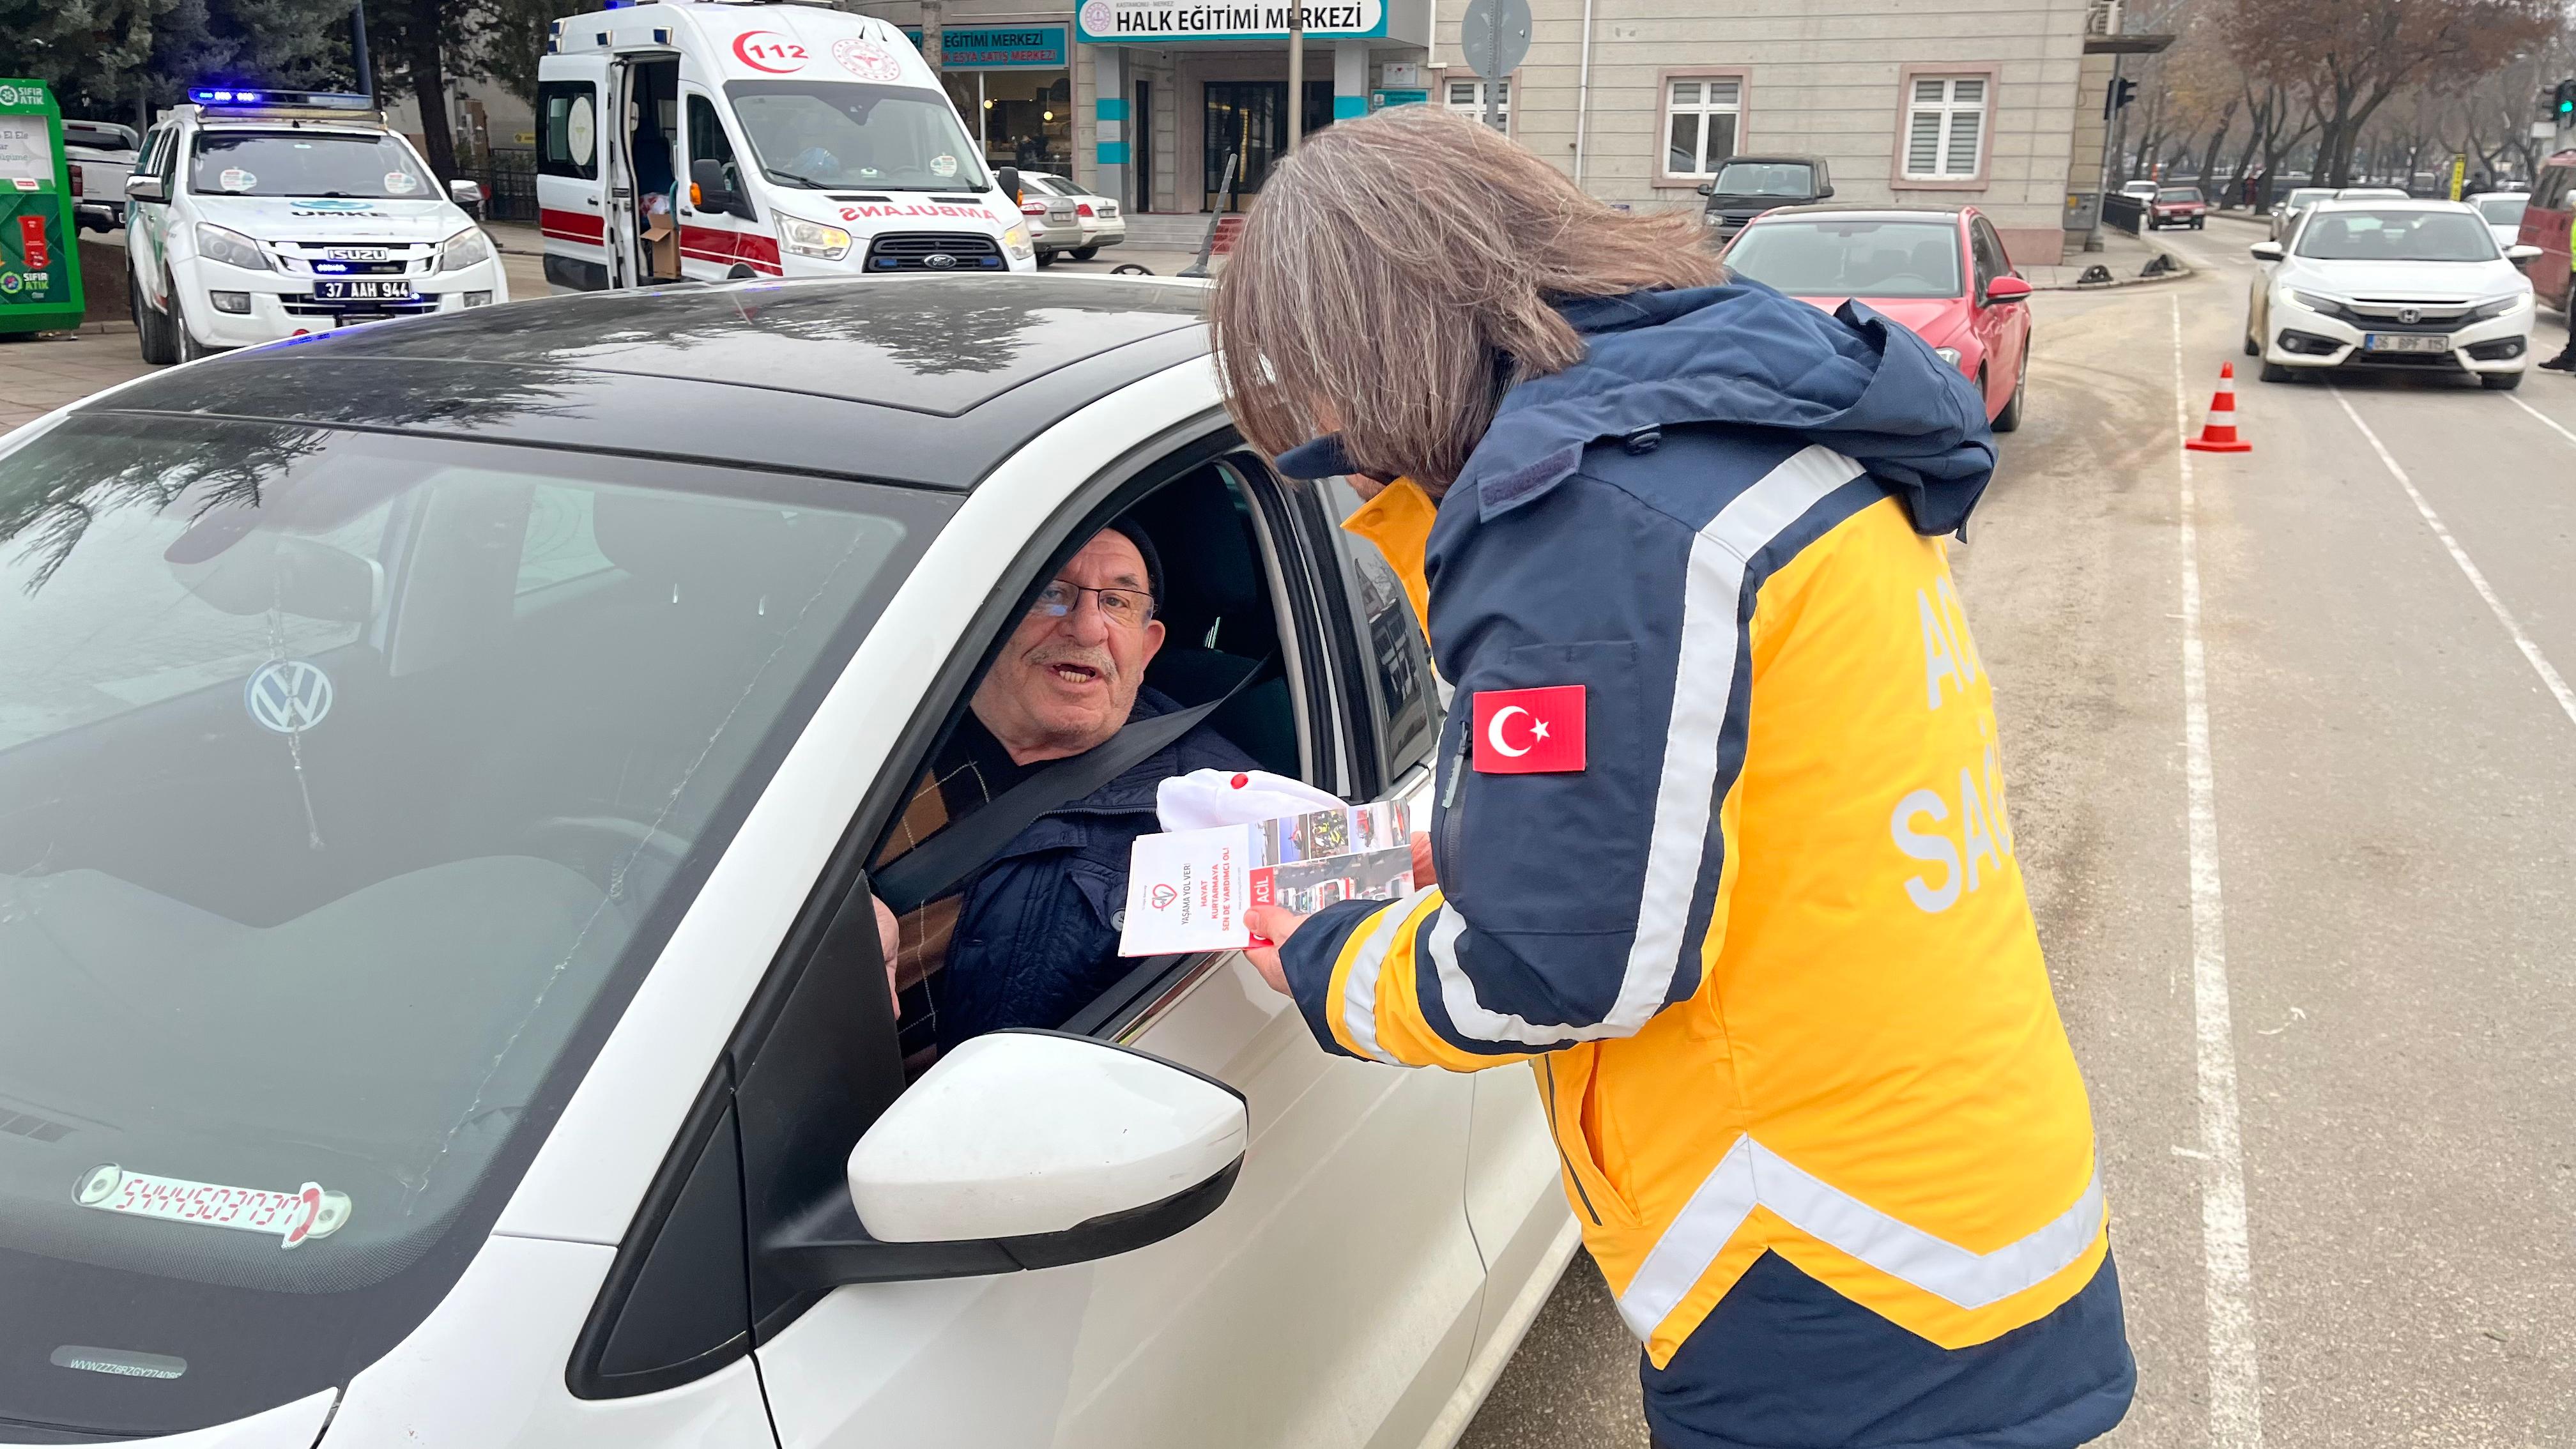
{"x":937,"y":866}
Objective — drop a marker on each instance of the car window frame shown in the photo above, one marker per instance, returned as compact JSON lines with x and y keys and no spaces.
{"x":814,"y":1058}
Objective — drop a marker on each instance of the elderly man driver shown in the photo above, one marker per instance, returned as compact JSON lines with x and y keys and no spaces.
{"x":1029,"y":938}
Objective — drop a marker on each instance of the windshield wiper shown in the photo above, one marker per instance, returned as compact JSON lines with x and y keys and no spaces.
{"x":808,"y":182}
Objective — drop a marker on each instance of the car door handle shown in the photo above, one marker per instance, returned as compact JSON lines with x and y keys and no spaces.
{"x":590,"y":201}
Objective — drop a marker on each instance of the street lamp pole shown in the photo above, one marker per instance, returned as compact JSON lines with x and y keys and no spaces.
{"x":1296,"y":72}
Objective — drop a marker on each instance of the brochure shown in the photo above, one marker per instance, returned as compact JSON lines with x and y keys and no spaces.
{"x":1187,"y":890}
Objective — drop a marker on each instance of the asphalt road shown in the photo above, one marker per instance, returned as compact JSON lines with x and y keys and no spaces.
{"x":2318,"y":967}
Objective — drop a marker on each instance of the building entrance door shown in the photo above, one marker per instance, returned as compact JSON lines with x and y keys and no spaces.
{"x":1250,"y":119}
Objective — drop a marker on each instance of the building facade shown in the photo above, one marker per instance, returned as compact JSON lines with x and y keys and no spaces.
{"x":1908,"y":101}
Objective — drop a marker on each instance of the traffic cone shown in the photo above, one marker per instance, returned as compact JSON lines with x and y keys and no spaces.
{"x":2218,"y":434}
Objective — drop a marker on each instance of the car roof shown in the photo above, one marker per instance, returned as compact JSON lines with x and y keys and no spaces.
{"x":1866,"y":213}
{"x":2384,"y":203}
{"x":1776,"y":158}
{"x":928,"y":380}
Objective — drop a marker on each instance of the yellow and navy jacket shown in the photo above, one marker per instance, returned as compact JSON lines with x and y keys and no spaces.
{"x":1758,"y":922}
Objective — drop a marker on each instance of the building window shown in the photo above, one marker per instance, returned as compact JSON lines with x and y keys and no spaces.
{"x":1945,"y":128}
{"x":1468,"y":96}
{"x":1700,"y":119}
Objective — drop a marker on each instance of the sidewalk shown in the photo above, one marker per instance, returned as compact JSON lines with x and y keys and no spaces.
{"x":2123,"y":255}
{"x":40,"y":374}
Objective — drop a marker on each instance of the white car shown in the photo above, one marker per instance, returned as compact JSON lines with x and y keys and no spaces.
{"x":1097,"y":218}
{"x":2391,"y":284}
{"x":445,"y":790}
{"x":248,"y":223}
{"x":2502,"y":211}
{"x":101,"y":154}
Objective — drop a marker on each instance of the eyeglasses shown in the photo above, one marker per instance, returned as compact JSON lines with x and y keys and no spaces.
{"x":1127,"y":608}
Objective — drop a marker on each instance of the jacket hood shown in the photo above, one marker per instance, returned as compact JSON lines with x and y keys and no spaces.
{"x":1741,"y":353}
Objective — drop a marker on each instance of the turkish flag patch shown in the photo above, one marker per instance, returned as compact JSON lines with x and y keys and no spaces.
{"x":1529,"y":731}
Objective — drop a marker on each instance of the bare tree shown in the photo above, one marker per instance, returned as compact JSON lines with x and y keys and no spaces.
{"x":2351,"y":56}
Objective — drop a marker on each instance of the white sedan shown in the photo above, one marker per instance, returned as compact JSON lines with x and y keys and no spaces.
{"x":2391,"y":285}
{"x":448,"y":768}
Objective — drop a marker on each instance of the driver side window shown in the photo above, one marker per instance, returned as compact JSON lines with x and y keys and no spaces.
{"x":1026,"y":932}
{"x":708,"y":142}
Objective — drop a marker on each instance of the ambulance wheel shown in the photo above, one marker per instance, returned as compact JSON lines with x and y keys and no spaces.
{"x":1084,"y":254}
{"x":151,"y":327}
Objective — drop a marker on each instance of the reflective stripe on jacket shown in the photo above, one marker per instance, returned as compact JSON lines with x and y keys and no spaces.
{"x":1769,"y":948}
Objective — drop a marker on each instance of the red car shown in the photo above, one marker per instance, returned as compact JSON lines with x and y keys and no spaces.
{"x":1941,"y":271}
{"x":2177,"y":206}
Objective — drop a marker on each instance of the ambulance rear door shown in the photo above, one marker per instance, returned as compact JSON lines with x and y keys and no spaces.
{"x":581,"y":235}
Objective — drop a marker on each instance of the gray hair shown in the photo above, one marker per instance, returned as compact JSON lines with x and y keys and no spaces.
{"x":1399,"y":272}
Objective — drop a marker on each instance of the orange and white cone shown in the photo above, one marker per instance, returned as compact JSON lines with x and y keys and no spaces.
{"x":2218,"y":434}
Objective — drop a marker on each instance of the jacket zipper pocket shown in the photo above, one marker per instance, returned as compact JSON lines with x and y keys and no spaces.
{"x":1451,"y":817}
{"x":1548,"y":1065}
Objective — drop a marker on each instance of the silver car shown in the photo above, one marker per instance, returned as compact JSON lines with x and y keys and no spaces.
{"x":1102,"y":223}
{"x":1054,"y":229}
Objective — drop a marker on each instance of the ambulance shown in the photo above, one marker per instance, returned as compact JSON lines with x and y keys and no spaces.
{"x":726,"y":139}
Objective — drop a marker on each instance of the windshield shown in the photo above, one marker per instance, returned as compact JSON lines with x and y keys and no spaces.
{"x":2179,"y":193}
{"x":2502,"y":210}
{"x":1885,"y":259}
{"x":305,"y":163}
{"x":350,"y":780}
{"x":2397,"y":236}
{"x":842,"y":134}
{"x":1764,"y":178}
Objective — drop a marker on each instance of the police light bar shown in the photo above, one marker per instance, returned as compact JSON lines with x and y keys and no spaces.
{"x":323,"y":100}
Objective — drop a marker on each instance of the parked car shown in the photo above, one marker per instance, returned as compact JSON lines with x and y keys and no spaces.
{"x":444,"y":1003}
{"x":2503,"y":212}
{"x":2141,"y":191}
{"x":1746,"y":186}
{"x":102,"y":155}
{"x":1941,"y":271}
{"x":1055,"y":227}
{"x":2545,"y":223}
{"x":1101,"y":222}
{"x":2176,"y":206}
{"x":2397,"y":285}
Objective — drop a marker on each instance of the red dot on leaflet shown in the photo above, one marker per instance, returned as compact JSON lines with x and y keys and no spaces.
{"x":1240,"y":781}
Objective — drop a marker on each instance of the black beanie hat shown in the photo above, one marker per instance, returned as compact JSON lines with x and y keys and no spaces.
{"x":1128,"y":529}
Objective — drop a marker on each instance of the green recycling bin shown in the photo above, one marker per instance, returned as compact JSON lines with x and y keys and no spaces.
{"x":40,"y":280}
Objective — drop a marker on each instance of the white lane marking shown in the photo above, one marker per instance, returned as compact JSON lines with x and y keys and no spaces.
{"x":2235,"y":1377}
{"x":2546,"y":421}
{"x":2539,"y":662}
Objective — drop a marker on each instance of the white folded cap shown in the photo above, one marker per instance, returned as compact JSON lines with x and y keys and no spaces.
{"x":1204,"y":799}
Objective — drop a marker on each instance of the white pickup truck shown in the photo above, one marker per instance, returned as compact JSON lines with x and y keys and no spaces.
{"x":102,"y":155}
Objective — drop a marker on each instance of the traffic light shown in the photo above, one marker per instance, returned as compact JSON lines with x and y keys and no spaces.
{"x":2121,"y":92}
{"x":2565,"y":109}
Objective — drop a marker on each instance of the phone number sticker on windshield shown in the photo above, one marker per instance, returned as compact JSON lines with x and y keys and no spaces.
{"x":290,"y":1217}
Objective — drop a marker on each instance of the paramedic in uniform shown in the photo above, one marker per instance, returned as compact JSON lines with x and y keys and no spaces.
{"x":1719,"y":832}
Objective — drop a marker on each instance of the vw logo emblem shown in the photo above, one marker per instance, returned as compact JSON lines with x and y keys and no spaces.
{"x":288,"y":695}
{"x":2410,"y":315}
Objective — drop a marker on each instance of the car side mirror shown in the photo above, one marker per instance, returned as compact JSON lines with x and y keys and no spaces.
{"x":1060,"y":1147}
{"x":146,"y":188}
{"x":1008,"y":179}
{"x":2266,"y":251}
{"x":465,"y":193}
{"x":710,"y":191}
{"x":1707,"y":188}
{"x":1824,"y":193}
{"x":2007,"y":289}
{"x":2520,"y":253}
